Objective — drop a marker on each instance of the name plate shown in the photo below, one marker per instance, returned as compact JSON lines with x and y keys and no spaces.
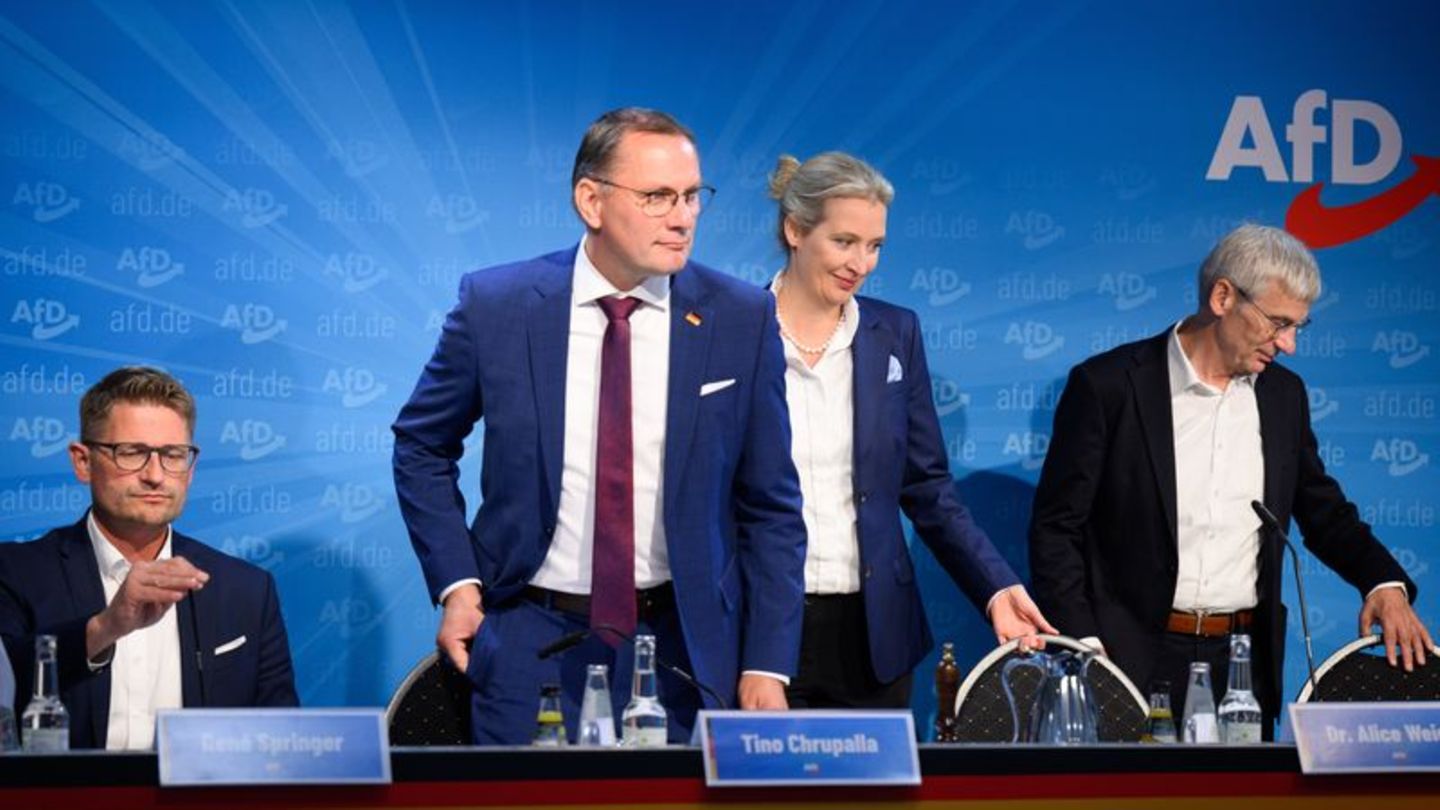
{"x":809,"y":748}
{"x":1367,"y":737}
{"x":272,"y":747}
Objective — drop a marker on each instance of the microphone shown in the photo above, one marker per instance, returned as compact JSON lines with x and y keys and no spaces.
{"x":570,"y":640}
{"x":1268,"y":519}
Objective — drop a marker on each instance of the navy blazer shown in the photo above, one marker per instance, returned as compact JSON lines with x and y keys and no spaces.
{"x":900,"y":463}
{"x":731,"y":511}
{"x":1103,"y":550}
{"x":52,"y":586}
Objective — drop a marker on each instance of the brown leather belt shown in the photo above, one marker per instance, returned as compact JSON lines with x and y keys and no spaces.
{"x":649,"y":603}
{"x":1210,"y":625}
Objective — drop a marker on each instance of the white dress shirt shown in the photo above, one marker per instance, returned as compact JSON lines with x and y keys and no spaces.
{"x":821,"y":399}
{"x":567,"y":564}
{"x":1219,"y":470}
{"x":145,"y":666}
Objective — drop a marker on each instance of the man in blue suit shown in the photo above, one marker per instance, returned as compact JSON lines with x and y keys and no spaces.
{"x":109,"y":587}
{"x":636,"y":471}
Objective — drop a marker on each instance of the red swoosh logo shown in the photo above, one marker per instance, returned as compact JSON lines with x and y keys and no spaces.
{"x":1313,"y":223}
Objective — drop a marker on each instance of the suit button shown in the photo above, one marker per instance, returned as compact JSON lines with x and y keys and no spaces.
{"x":867,"y":572}
{"x":549,"y":531}
{"x":864,"y":496}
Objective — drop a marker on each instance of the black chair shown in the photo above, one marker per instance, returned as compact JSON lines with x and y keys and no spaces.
{"x":1355,"y":673}
{"x":431,"y":706}
{"x":982,"y":711}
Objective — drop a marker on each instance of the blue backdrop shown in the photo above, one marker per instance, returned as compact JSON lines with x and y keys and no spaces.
{"x":275,"y":201}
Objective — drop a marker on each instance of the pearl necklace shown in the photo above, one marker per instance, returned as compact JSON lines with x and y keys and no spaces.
{"x":785,"y":331}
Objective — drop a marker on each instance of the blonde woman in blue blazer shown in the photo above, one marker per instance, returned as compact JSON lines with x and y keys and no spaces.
{"x":867,"y":445}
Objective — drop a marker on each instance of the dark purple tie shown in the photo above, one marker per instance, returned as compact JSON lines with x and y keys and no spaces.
{"x":612,"y":573}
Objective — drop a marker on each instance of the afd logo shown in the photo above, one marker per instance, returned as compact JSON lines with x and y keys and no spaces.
{"x":253,"y":549}
{"x":1319,"y":225}
{"x":351,"y":617}
{"x":45,"y":434}
{"x":1036,"y":339}
{"x":356,"y":502}
{"x":357,"y":272}
{"x":1127,"y":290}
{"x":1037,"y":228}
{"x":1402,"y":455}
{"x":944,"y":175}
{"x":944,"y":285}
{"x":1129,"y":181}
{"x":948,"y":396}
{"x":459,"y":211}
{"x":256,"y":323}
{"x":358,"y":156}
{"x":1321,"y":405}
{"x":357,"y":387}
{"x":1404,"y":348}
{"x":256,"y":207}
{"x":48,"y":201}
{"x":1029,"y":447}
{"x":1414,"y":564}
{"x":47,"y":319}
{"x":256,"y":438}
{"x":152,"y":266}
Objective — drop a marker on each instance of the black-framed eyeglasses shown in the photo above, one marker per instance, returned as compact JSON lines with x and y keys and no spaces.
{"x":1278,"y":325}
{"x":132,"y":456}
{"x":661,"y":201}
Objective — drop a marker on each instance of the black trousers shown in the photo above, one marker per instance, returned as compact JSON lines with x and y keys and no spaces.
{"x":835,"y":670}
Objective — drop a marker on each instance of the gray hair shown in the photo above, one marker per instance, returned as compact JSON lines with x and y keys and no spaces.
{"x":802,"y":188}
{"x":1253,"y":256}
{"x":601,"y":140}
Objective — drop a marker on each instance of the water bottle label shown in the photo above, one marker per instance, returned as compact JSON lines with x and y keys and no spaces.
{"x":1201,"y":728}
{"x":1242,"y":733}
{"x":47,"y":740}
{"x":645,"y":737}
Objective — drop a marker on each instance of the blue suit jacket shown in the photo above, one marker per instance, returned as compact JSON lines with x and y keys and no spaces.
{"x":52,"y":586}
{"x":733,"y":528}
{"x":901,"y":464}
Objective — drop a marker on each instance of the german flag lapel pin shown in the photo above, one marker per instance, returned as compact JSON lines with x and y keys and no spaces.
{"x":693,"y":318}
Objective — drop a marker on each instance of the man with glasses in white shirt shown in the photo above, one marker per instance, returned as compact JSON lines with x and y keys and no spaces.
{"x":1143,"y":539}
{"x":111,"y":587}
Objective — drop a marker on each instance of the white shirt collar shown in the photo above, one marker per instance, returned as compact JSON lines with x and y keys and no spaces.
{"x":113,"y":564}
{"x":1183,"y":376}
{"x":590,"y":286}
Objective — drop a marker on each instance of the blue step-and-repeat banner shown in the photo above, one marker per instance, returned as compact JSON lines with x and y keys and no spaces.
{"x":275,"y":201}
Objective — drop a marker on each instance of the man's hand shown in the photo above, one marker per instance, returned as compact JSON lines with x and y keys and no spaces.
{"x":761,"y":692}
{"x":459,"y":624}
{"x":1399,"y":626}
{"x":147,"y":592}
{"x":1014,"y":614}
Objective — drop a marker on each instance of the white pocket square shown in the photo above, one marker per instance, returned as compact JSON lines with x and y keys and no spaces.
{"x":719,"y":385}
{"x":230,"y":646}
{"x":895,"y":373}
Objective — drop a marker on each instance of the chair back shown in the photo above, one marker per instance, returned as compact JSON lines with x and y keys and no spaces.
{"x":1355,"y":673}
{"x":982,"y":712}
{"x":431,"y":706}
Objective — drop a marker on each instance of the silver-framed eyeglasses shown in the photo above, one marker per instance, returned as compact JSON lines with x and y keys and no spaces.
{"x":661,"y":201}
{"x":132,"y":456}
{"x":1278,"y":325}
